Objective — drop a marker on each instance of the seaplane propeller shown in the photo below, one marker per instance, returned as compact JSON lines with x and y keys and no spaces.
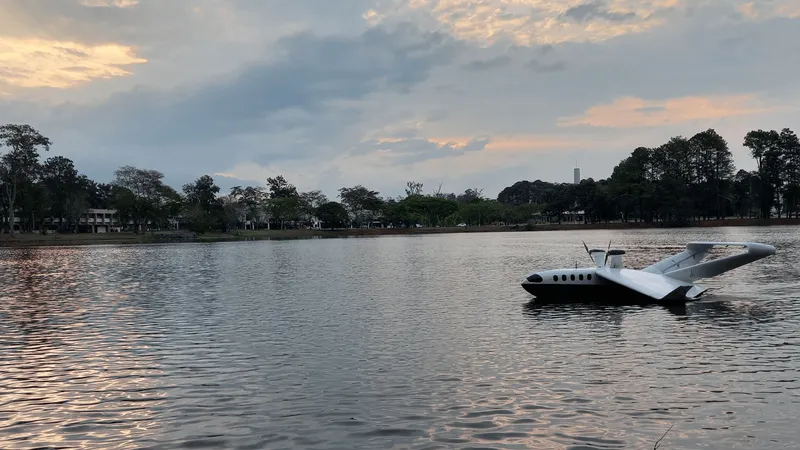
{"x":590,"y":253}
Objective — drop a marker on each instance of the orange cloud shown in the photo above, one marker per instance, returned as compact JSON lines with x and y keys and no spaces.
{"x":521,"y":143}
{"x":630,"y":112}
{"x":764,"y":10}
{"x":534,"y":21}
{"x":32,"y":63}
{"x":791,"y":10}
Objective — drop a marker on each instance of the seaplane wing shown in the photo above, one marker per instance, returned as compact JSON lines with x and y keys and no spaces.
{"x":687,"y":266}
{"x":656,"y":286}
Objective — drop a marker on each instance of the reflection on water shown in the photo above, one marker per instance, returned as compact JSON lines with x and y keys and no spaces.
{"x":722,"y":310}
{"x":414,"y":342}
{"x":70,"y":377}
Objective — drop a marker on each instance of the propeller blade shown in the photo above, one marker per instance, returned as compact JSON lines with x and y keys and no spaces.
{"x":607,"y":250}
{"x":587,"y":252}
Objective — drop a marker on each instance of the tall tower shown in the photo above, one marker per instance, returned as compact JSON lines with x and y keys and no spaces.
{"x":577,"y":174}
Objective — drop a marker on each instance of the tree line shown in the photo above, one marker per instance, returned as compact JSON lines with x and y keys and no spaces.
{"x":682,"y":180}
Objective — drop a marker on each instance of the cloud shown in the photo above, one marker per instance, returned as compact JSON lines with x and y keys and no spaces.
{"x":630,"y":112}
{"x":533,"y":22}
{"x":497,"y":61}
{"x":389,"y":162}
{"x":110,"y":3}
{"x":308,"y":75}
{"x":532,"y":143}
{"x":540,"y":67}
{"x":527,"y":156}
{"x":404,"y":151}
{"x":585,"y":12}
{"x":769,"y":9}
{"x":31,"y":63}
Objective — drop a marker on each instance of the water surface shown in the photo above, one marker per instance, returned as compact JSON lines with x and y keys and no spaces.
{"x":407,"y":342}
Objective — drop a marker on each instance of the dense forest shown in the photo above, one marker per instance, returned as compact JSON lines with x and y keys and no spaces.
{"x":683,"y":180}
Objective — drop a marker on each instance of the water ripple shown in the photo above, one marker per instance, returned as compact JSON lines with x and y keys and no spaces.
{"x":410,"y":342}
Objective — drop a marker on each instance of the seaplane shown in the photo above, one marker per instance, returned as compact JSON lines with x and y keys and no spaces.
{"x":672,"y":279}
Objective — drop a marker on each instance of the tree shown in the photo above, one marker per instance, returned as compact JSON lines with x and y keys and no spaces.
{"x":125,"y":203}
{"x":310,"y":202}
{"x":252,"y":201}
{"x":714,"y":167}
{"x":69,"y":191}
{"x":765,"y":147}
{"x":742,"y":192}
{"x":432,"y":210}
{"x":145,"y":189}
{"x":790,"y":149}
{"x":280,"y":188}
{"x":170,"y":204}
{"x":231,"y":207}
{"x":284,"y":202}
{"x":332,"y":215}
{"x":470,"y":195}
{"x":361,"y":202}
{"x":760,"y":142}
{"x":76,"y":201}
{"x":481,"y":212}
{"x":204,"y":209}
{"x":20,"y":164}
{"x":202,"y":192}
{"x":285,"y":209}
{"x":413,"y":188}
{"x":33,"y":202}
{"x":98,"y":194}
{"x":396,"y":213}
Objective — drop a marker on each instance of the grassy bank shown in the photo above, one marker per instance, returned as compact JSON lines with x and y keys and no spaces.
{"x":30,"y":240}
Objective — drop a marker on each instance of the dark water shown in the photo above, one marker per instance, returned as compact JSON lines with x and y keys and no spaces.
{"x":404,"y":342}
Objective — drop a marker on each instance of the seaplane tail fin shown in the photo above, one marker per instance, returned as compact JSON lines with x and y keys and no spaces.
{"x":652,"y":285}
{"x":692,"y":272}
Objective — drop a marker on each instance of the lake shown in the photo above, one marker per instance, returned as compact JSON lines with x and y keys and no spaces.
{"x":393,"y":342}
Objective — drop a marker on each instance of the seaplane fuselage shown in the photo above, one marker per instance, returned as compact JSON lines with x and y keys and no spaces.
{"x":593,"y":282}
{"x":578,"y":281}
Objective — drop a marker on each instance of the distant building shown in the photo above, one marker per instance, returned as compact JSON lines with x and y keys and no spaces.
{"x":101,"y":220}
{"x":577,"y":175}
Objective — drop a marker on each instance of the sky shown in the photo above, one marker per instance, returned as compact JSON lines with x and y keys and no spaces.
{"x":330,"y":94}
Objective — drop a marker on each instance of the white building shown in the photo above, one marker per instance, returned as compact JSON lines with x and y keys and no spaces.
{"x":101,"y":220}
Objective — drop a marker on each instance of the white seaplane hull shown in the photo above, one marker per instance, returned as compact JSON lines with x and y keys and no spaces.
{"x":671,"y":279}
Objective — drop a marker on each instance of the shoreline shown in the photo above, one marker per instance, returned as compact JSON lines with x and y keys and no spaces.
{"x":37,"y":240}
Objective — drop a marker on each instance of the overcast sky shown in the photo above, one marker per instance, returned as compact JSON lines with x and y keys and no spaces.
{"x":334,"y":93}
